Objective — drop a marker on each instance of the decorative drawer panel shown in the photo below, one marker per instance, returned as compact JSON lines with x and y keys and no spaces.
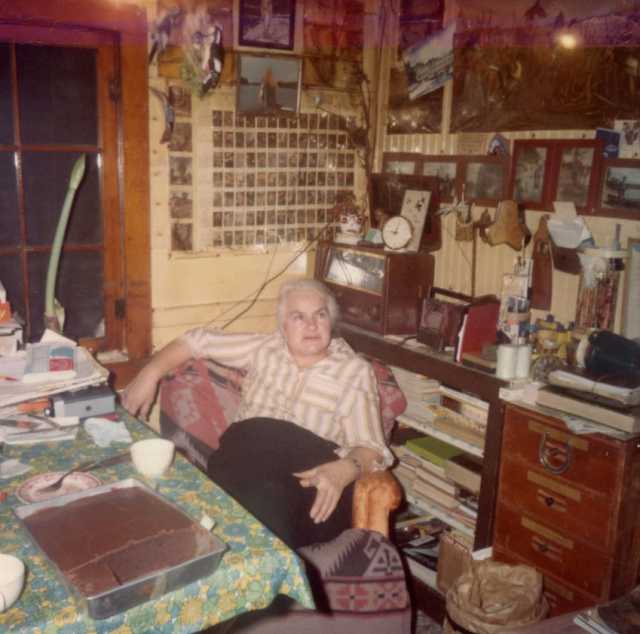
{"x":585,"y":460}
{"x":564,"y":505}
{"x":561,"y":596}
{"x":551,"y":551}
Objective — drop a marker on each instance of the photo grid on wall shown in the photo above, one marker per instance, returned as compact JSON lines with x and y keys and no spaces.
{"x":274,"y":179}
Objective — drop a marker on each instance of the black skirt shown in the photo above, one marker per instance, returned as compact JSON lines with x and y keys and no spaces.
{"x":255,"y":464}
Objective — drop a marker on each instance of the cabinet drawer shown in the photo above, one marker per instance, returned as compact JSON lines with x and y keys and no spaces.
{"x":551,"y":551}
{"x":561,"y":596}
{"x":567,"y":507}
{"x":590,"y":461}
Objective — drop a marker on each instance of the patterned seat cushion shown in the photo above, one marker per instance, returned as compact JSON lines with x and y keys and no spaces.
{"x":361,"y":571}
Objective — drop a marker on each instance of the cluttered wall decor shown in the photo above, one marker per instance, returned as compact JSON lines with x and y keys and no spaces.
{"x":411,"y":113}
{"x":267,"y":23}
{"x":485,"y":179}
{"x":558,"y":170}
{"x":523,"y":66}
{"x":619,"y":192}
{"x":268,"y":85}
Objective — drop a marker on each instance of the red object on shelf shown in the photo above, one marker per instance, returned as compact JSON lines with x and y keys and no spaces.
{"x":479,"y":326}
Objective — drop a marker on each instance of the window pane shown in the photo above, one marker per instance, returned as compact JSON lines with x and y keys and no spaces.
{"x":57,"y":91}
{"x":9,"y":227}
{"x":46,"y":179}
{"x":78,"y":288}
{"x":6,"y":112}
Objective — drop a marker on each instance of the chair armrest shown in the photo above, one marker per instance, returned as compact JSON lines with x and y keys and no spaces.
{"x":375,"y":496}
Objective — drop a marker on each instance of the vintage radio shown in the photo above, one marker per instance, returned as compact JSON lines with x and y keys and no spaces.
{"x":375,"y":289}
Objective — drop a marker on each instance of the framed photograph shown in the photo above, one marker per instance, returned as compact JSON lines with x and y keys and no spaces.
{"x":485,"y":179}
{"x":530,"y":174}
{"x":619,"y":193}
{"x":268,"y":85}
{"x":574,"y":172}
{"x":445,"y":169}
{"x":267,"y":23}
{"x":401,"y":163}
{"x":415,"y":208}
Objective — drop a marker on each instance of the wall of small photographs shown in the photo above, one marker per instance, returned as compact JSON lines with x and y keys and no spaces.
{"x":274,"y":178}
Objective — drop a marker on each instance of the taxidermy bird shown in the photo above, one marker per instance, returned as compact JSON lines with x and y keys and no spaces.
{"x":213,"y":58}
{"x":169,"y":114}
{"x":162,"y":28}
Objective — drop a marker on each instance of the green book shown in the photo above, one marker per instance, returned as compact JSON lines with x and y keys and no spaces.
{"x":432,"y":449}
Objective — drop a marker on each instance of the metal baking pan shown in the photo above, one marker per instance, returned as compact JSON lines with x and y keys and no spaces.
{"x":136,"y":591}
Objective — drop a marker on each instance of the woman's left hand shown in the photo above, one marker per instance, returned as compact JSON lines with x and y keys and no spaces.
{"x":330,"y":479}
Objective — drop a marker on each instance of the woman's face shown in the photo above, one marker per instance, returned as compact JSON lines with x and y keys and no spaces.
{"x":306,"y":326}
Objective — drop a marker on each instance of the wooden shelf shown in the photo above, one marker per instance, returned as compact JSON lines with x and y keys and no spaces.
{"x":426,"y":428}
{"x":475,"y":382}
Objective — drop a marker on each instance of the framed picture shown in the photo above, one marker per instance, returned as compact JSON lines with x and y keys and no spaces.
{"x":619,"y":193}
{"x":445,"y":169}
{"x":267,"y":23}
{"x":268,"y":85}
{"x":574,"y":172}
{"x":530,"y":174}
{"x":485,"y":179}
{"x":415,"y":208}
{"x":401,"y":163}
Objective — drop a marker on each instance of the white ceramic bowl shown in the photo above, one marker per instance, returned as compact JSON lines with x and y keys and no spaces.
{"x":11,"y":580}
{"x":152,"y":457}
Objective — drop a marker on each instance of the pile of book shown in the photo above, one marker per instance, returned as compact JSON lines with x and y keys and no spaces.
{"x":419,"y":391}
{"x":435,"y":473}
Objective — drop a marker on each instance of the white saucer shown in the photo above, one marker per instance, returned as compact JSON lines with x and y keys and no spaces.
{"x":30,"y":491}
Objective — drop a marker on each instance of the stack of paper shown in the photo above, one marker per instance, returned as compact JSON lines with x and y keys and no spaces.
{"x":570,"y":380}
{"x":14,"y":390}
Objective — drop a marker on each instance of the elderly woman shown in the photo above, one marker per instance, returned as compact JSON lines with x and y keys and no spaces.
{"x":308,"y":423}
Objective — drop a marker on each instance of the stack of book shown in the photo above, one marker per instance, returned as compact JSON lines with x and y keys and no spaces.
{"x":430,"y":483}
{"x":419,"y":391}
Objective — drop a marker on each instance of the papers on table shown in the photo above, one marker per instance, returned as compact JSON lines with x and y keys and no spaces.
{"x":12,"y":367}
{"x":62,"y":428}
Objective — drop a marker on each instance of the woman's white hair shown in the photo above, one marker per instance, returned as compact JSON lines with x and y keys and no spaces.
{"x":306,"y":284}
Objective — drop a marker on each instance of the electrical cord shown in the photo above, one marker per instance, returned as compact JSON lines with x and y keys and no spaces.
{"x":268,"y":280}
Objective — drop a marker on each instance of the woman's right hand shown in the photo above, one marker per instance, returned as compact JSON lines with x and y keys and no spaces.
{"x":137,"y":398}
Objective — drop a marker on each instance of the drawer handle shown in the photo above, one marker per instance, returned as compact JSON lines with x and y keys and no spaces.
{"x":542,"y":547}
{"x":555,"y":459}
{"x":549,"y":501}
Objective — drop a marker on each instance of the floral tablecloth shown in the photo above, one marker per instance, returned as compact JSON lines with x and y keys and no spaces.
{"x":254,"y":569}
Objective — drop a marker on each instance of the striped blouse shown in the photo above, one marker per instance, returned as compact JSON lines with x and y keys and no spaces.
{"x":336,"y":398}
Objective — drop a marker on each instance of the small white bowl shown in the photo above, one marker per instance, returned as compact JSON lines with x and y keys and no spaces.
{"x":11,"y":580}
{"x":152,"y":457}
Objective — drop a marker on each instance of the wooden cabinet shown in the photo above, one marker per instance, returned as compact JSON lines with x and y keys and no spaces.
{"x":568,"y":505}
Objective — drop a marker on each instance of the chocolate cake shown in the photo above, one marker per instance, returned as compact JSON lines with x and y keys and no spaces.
{"x":103,"y":541}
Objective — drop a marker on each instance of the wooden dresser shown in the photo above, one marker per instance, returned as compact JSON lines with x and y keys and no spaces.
{"x":569,"y":505}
